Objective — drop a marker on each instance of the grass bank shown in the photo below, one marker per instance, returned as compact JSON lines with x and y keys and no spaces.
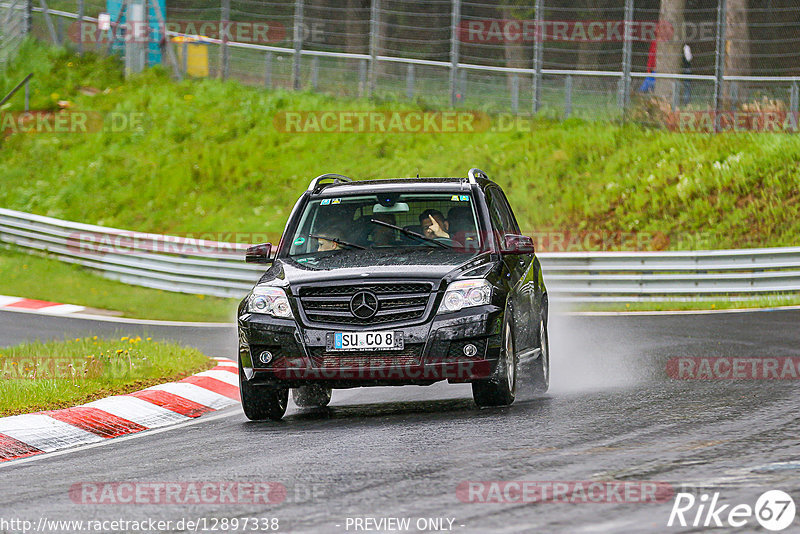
{"x":210,"y":159}
{"x":48,"y":376}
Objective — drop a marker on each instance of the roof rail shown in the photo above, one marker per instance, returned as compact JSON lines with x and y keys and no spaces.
{"x":475,"y":173}
{"x":337,"y":178}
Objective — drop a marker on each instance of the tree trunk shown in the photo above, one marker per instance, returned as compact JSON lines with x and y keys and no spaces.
{"x":670,"y":48}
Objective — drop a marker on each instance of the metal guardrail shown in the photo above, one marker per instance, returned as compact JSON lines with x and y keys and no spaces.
{"x":217,"y":268}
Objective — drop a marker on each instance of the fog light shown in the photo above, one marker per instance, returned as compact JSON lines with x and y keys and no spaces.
{"x":470,"y":350}
{"x":265,"y":356}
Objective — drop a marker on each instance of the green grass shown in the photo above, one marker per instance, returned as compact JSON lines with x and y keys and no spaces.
{"x":211,"y":160}
{"x":45,"y":376}
{"x":23,"y":275}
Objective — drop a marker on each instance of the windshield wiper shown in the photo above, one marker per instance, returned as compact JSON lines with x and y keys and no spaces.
{"x":337,"y":241}
{"x":411,"y":233}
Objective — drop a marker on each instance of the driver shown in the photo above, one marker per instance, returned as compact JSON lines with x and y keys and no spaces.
{"x":334,"y":231}
{"x":434,"y":225}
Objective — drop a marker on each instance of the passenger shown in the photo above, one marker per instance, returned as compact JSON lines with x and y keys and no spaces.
{"x":434,"y":225}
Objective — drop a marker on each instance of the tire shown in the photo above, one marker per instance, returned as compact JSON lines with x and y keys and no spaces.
{"x":501,"y":388}
{"x":262,"y":402}
{"x":313,"y":396}
{"x":540,"y":375}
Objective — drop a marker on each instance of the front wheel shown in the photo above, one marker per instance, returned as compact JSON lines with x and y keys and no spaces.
{"x":262,"y":402}
{"x":501,"y":388}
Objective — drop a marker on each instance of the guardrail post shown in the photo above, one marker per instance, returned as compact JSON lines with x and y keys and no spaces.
{"x":80,"y":26}
{"x":410,"y":81}
{"x":268,"y":70}
{"x":794,"y":96}
{"x":314,"y":72}
{"x":224,"y":57}
{"x":719,"y":64}
{"x":538,"y":41}
{"x":374,"y":21}
{"x":626,"y":56}
{"x":567,"y":96}
{"x":454,"y":50}
{"x":514,"y":93}
{"x":298,"y":43}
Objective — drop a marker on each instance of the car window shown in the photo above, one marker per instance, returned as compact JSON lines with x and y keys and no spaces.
{"x":502,"y":219}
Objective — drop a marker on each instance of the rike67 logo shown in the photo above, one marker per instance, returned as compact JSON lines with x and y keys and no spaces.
{"x":774,"y":510}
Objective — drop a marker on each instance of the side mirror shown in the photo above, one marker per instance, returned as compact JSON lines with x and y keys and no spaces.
{"x":517,"y":244}
{"x":259,"y":254}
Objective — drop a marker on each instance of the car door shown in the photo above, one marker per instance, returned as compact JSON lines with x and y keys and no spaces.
{"x":520,"y":271}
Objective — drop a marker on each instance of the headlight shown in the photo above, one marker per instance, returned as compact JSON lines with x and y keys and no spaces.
{"x":269,"y":300}
{"x":466,"y":293}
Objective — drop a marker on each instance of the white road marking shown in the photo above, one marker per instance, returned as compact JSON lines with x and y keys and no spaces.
{"x":138,"y":411}
{"x":196,"y":394}
{"x":222,"y":376}
{"x":61,"y":309}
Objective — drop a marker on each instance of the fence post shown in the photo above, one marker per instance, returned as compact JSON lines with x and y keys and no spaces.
{"x":268,"y":70}
{"x":80,"y":26}
{"x":567,"y":96}
{"x":719,"y":64}
{"x":314,"y":72}
{"x":794,"y":96}
{"x":49,"y":22}
{"x":374,"y":20}
{"x":538,"y":42}
{"x":514,"y":93}
{"x":224,"y":59}
{"x":362,"y":77}
{"x":454,"y":50}
{"x":410,"y":81}
{"x":676,"y":94}
{"x":28,"y":16}
{"x":626,"y":57}
{"x":185,"y":58}
{"x":462,"y":83}
{"x":298,"y":44}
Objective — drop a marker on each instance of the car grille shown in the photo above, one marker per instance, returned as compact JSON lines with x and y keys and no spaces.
{"x":410,"y":355}
{"x":396,"y":303}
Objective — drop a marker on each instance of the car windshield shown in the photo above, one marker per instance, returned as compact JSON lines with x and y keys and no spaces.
{"x":357,"y":223}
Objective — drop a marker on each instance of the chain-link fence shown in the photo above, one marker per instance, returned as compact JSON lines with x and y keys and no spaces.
{"x":14,"y":24}
{"x":648,"y":61}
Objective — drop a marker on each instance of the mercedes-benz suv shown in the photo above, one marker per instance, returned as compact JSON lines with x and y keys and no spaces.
{"x":394,"y":282}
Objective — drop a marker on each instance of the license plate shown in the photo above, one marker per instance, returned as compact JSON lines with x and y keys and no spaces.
{"x":364,"y":341}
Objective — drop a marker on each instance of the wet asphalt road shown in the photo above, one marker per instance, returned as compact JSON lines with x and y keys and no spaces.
{"x":611,"y":414}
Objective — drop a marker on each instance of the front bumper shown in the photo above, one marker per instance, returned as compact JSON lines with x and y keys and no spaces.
{"x":434,"y":351}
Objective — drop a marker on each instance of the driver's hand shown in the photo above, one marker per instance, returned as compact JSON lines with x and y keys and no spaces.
{"x":434,"y":230}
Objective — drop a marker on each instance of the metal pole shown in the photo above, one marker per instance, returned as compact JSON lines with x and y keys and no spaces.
{"x":268,"y":70}
{"x":374,"y":20}
{"x":298,"y":43}
{"x":538,"y":42}
{"x":362,"y":77}
{"x":49,"y":22}
{"x":28,"y":16}
{"x":514,"y":93}
{"x":675,"y":94}
{"x":80,"y":26}
{"x":454,"y":50}
{"x":794,"y":94}
{"x":315,"y":72}
{"x":185,"y":58}
{"x":410,"y":81}
{"x":719,"y":66}
{"x":224,"y":58}
{"x":626,"y":56}
{"x":568,"y":96}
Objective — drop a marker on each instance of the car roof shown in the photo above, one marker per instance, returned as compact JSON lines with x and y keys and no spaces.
{"x":398,"y":184}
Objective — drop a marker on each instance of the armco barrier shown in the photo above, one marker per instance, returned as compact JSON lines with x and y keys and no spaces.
{"x":218,"y":268}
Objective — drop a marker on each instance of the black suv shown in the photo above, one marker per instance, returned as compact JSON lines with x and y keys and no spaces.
{"x":394,"y":282}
